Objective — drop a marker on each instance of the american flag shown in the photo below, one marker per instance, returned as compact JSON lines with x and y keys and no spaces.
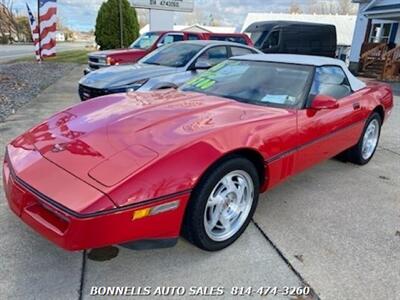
{"x":48,"y":27}
{"x":34,"y":31}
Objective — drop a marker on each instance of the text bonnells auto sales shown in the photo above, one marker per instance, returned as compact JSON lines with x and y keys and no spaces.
{"x":156,"y":291}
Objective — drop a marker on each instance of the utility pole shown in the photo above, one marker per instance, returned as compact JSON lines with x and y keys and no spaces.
{"x":121,"y":24}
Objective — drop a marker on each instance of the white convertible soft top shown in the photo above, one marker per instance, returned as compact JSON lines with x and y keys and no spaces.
{"x":317,"y":61}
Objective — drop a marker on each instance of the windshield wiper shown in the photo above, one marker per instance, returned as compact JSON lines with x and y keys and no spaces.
{"x":152,"y":63}
{"x":238,"y":99}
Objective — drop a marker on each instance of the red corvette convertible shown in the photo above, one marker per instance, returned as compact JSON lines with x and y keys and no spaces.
{"x":140,"y":169}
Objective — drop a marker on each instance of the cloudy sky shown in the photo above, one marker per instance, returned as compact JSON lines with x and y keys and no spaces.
{"x":81,"y":14}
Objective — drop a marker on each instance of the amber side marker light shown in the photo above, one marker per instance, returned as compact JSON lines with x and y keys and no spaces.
{"x":155,"y":210}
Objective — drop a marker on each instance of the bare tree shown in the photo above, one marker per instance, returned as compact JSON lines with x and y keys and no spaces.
{"x":215,"y":22}
{"x":8,"y":22}
{"x":23,"y":28}
{"x":143,"y":17}
{"x":312,"y":7}
{"x":196,"y":17}
{"x":346,"y":7}
{"x":341,"y":7}
{"x":295,"y":8}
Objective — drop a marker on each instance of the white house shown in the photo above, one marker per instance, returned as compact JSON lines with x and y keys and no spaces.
{"x":60,"y":36}
{"x":376,"y":36}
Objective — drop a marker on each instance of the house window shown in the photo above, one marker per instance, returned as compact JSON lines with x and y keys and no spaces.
{"x":380,"y":32}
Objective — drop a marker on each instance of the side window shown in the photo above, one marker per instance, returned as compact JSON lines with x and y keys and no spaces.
{"x":238,"y":51}
{"x":272,"y":41}
{"x":193,"y":37}
{"x":237,"y":39}
{"x":178,"y":38}
{"x":214,"y":56}
{"x":172,"y":38}
{"x":330,"y":81}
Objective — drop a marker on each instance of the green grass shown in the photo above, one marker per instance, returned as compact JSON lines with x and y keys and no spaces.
{"x":71,"y":56}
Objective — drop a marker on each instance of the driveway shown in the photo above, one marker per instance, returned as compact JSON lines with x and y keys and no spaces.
{"x":335,"y":227}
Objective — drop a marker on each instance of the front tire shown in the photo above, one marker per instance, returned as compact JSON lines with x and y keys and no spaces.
{"x":222,"y":204}
{"x":365,"y":149}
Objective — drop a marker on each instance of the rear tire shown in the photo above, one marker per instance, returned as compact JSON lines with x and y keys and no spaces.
{"x":365,"y":149}
{"x":222,"y":204}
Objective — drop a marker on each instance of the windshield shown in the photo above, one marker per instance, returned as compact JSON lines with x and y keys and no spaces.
{"x":264,"y":83}
{"x":173,"y":55}
{"x":145,"y":41}
{"x":258,"y":37}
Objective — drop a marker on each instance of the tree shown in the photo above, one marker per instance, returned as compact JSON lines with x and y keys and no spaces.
{"x":143,"y":17}
{"x":341,"y":7}
{"x":295,"y":8}
{"x":24,"y":29}
{"x":346,"y":7}
{"x":195,"y":17}
{"x":108,"y":29}
{"x":312,"y":7}
{"x":8,"y":24}
{"x":68,"y":33}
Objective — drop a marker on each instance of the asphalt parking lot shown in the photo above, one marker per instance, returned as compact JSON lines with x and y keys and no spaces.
{"x":335,"y":227}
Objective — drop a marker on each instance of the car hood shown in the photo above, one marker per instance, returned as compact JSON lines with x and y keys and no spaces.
{"x":119,"y":76}
{"x":126,"y":132}
{"x":117,"y":52}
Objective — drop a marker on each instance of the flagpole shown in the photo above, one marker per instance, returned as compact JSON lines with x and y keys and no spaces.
{"x":121,"y":25}
{"x":40,"y":39}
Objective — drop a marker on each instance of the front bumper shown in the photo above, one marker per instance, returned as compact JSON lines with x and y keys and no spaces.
{"x":87,"y":71}
{"x":90,"y":69}
{"x":74,"y":231}
{"x":86,"y":92}
{"x":94,"y":65}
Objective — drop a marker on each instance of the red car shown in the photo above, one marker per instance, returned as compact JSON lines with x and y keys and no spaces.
{"x":142,"y":168}
{"x":150,"y":41}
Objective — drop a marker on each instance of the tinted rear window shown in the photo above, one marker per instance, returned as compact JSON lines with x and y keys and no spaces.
{"x":238,"y":51}
{"x":173,"y":55}
{"x":314,"y":40}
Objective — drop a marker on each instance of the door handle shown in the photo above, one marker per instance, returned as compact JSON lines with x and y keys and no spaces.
{"x":356,"y":106}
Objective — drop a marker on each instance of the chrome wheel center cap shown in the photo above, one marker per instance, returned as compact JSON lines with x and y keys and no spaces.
{"x":231,"y":197}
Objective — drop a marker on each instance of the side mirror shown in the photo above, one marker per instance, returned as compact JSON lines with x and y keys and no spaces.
{"x":160,"y":44}
{"x":202,"y":65}
{"x":324,"y":102}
